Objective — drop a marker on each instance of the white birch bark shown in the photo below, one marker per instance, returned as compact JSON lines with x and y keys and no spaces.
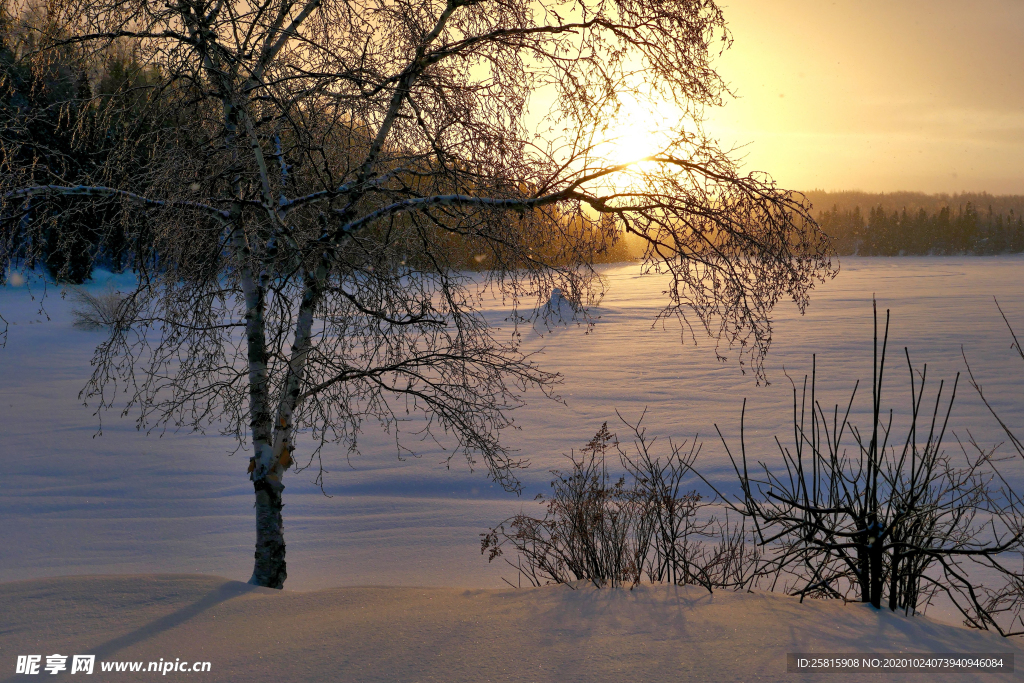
{"x":269,"y":568}
{"x":284,"y":424}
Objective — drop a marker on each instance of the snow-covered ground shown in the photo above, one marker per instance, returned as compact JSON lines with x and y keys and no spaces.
{"x":77,"y":503}
{"x":126,"y":502}
{"x":551,"y":634}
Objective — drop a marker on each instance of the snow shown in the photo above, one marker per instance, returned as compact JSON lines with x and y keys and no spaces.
{"x":655,"y":633}
{"x":79,"y":503}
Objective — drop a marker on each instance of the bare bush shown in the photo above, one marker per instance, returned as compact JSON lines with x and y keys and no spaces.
{"x":853,"y":514}
{"x":683,"y":543}
{"x":863,"y":515}
{"x":620,"y":531}
{"x":110,"y":309}
{"x":1005,"y":602}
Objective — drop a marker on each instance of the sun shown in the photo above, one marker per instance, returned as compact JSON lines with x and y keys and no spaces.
{"x":636,"y":131}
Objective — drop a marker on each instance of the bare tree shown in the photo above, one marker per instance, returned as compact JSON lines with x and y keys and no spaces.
{"x":894,"y":521}
{"x":317,"y":174}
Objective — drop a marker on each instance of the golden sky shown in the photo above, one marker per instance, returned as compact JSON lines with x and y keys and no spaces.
{"x":924,"y":95}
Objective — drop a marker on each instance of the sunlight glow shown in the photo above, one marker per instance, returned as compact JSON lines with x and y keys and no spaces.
{"x":637,"y":131}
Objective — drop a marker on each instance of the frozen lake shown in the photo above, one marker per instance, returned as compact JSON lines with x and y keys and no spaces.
{"x":123,"y":502}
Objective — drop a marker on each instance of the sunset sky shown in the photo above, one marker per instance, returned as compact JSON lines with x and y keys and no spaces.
{"x":924,"y":95}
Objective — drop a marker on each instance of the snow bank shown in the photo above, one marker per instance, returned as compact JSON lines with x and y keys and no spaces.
{"x":359,"y":634}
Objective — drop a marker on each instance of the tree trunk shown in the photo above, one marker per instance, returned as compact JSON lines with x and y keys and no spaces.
{"x":894,"y":581}
{"x":864,"y":575}
{"x":877,"y":578}
{"x":269,"y":570}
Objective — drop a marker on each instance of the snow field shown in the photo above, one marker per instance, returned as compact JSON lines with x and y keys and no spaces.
{"x":124,"y":502}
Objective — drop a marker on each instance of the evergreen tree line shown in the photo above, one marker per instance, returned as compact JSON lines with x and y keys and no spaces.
{"x":917,"y":224}
{"x":68,"y":117}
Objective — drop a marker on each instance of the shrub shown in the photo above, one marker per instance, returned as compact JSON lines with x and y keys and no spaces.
{"x":108,"y":309}
{"x":863,"y":515}
{"x":619,"y":531}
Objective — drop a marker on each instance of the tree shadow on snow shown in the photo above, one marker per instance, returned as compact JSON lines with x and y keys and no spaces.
{"x":222,"y":593}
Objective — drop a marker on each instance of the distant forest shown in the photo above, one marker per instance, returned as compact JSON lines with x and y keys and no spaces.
{"x":65,"y":123}
{"x":904,"y":223}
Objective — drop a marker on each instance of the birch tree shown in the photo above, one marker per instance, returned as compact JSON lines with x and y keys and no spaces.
{"x":334,"y":189}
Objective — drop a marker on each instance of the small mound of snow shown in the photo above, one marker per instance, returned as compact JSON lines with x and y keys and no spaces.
{"x":557,"y":308}
{"x":561,"y":310}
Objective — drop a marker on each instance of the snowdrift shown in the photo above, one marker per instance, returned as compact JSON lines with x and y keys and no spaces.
{"x":356,"y":634}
